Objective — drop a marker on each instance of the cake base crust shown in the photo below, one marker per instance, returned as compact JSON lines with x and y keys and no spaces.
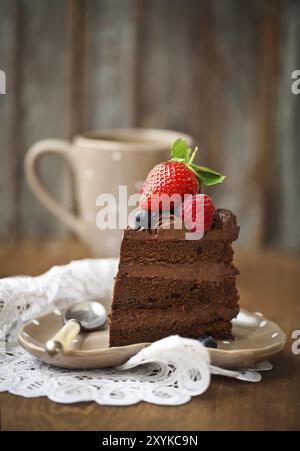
{"x":219,"y":329}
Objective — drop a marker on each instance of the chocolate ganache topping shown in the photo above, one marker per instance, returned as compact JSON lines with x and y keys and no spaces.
{"x":224,"y":227}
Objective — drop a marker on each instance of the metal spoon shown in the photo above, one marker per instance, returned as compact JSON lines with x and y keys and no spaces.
{"x":88,"y":315}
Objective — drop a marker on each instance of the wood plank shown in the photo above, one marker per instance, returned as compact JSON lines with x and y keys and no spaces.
{"x":262,"y":175}
{"x":8,"y":106}
{"x":283,"y":218}
{"x":167,"y":49}
{"x":77,"y":18}
{"x":45,"y":103}
{"x":36,"y":256}
{"x":110,"y":63}
{"x":229,"y":72}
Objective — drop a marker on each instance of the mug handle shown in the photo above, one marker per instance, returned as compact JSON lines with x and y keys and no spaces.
{"x":32,"y":160}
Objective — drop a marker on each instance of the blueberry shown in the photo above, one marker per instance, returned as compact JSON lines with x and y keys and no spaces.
{"x":208,"y":341}
{"x":145,"y":219}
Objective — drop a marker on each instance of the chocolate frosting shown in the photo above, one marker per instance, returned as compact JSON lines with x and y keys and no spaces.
{"x":224,"y":227}
{"x":208,"y":271}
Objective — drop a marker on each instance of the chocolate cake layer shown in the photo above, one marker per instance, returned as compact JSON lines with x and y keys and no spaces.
{"x":197,"y":313}
{"x":132,"y":292}
{"x":198,"y":272}
{"x":123,"y":336}
{"x":176,"y":252}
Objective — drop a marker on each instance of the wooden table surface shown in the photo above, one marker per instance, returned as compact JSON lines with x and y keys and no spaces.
{"x":269,"y":282}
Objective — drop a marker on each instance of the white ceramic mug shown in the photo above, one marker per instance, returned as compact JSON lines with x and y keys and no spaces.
{"x":100,"y":162}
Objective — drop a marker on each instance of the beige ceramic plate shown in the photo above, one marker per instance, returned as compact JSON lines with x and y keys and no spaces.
{"x":256,"y":339}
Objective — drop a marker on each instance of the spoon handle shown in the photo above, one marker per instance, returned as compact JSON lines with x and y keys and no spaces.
{"x":63,"y":338}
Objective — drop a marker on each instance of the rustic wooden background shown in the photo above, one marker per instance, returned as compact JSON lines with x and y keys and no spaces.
{"x":218,"y":69}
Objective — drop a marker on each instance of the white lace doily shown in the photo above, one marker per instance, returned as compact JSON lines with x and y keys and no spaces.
{"x":168,"y":372}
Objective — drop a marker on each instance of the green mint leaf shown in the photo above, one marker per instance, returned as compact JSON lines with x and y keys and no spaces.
{"x":180,"y":151}
{"x":207,"y":176}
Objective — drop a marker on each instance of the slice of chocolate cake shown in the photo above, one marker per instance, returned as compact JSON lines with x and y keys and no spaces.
{"x":169,"y":285}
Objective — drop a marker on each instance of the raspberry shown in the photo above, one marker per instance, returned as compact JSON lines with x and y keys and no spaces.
{"x":193,"y":209}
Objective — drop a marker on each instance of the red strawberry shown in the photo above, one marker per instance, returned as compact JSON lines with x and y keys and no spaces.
{"x":193,"y":209}
{"x":176,"y":177}
{"x":168,"y":178}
